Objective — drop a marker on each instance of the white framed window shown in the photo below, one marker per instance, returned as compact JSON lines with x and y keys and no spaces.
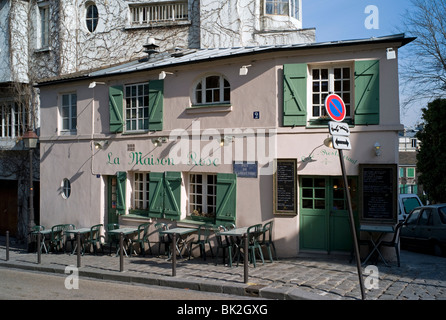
{"x":66,"y":188}
{"x":91,"y":16}
{"x":43,"y":25}
{"x":283,"y":8}
{"x":141,"y":190}
{"x":136,"y":97}
{"x":336,"y":79}
{"x":13,"y":120}
{"x":202,"y":193}
{"x":212,"y":89}
{"x":277,"y":7}
{"x":68,"y":112}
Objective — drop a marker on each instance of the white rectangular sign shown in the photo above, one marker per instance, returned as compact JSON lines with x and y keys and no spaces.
{"x":341,"y":142}
{"x":338,"y":128}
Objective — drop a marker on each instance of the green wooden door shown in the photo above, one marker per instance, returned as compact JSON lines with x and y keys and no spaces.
{"x":324,"y":219}
{"x":313,"y":213}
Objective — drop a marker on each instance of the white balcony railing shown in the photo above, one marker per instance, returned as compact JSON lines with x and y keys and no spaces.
{"x":147,"y":14}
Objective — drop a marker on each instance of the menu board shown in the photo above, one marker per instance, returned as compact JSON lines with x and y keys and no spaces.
{"x":285,"y":187}
{"x":378,"y":193}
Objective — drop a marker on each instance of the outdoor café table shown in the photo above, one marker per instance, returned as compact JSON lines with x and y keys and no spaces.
{"x":237,"y":233}
{"x":127,"y":231}
{"x":180,"y":240}
{"x":381,"y":230}
{"x":44,"y":233}
{"x":81,"y":231}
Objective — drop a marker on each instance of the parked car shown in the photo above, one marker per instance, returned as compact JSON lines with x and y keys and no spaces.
{"x":425,"y":228}
{"x":406,"y":203}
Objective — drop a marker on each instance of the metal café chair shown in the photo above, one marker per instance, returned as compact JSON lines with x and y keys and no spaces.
{"x":165,"y":239}
{"x":204,"y":232}
{"x":143,"y":237}
{"x":253,"y":234}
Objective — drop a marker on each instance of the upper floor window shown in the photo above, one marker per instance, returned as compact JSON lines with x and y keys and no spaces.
{"x":145,"y":14}
{"x":13,"y":120}
{"x":68,"y":112}
{"x":92,"y":17}
{"x":212,"y":90}
{"x":283,"y":7}
{"x":137,"y":107}
{"x":326,"y":80}
{"x":44,"y":26}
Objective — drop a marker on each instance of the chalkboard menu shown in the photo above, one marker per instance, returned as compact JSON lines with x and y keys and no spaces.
{"x":285,"y":187}
{"x":378,"y":184}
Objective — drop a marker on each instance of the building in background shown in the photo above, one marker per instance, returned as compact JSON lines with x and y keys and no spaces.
{"x":45,"y":38}
{"x":408,"y":175}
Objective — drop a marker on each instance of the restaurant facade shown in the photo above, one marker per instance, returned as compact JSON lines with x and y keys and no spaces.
{"x":224,"y":136}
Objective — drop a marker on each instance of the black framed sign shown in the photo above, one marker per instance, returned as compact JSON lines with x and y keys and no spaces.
{"x":378,"y":193}
{"x":284,"y":187}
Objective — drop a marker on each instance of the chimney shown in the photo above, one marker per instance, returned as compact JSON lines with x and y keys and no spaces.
{"x":150,"y":47}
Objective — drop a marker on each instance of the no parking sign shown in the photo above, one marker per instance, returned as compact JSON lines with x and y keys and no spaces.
{"x":335,"y":107}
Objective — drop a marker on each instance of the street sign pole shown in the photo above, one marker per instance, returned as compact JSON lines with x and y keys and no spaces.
{"x":352,"y":223}
{"x":335,"y":107}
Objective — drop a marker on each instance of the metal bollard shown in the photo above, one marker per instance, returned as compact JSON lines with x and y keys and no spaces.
{"x":174,"y":255}
{"x":39,"y":247}
{"x":78,"y":249}
{"x":7,"y":245}
{"x":245,"y":258}
{"x":121,"y":252}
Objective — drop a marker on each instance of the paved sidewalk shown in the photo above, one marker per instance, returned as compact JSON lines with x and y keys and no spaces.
{"x":307,"y":277}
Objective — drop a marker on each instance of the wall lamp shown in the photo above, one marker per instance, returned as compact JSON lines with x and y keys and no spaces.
{"x":94,"y":83}
{"x":328,"y":142}
{"x":226,"y":141}
{"x":158,"y":142}
{"x":163,"y":74}
{"x":377,"y":148}
{"x":391,"y":54}
{"x":101,"y":144}
{"x":244,"y":70}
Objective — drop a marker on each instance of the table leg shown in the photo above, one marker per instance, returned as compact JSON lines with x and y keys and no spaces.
{"x":375,"y":248}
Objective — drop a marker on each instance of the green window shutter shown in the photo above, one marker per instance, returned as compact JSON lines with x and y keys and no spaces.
{"x":226,"y":197}
{"x":294,"y":94}
{"x":116,"y":102}
{"x":411,"y":172}
{"x":156,"y":97}
{"x":367,"y":92}
{"x":172,"y":199}
{"x":121,"y":181}
{"x":156,"y":194}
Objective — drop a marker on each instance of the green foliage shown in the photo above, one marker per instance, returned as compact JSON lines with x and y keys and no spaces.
{"x":430,"y":159}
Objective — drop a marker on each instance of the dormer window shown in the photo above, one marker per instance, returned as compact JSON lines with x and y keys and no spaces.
{"x":213,"y":89}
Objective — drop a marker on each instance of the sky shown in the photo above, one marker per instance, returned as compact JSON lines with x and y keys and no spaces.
{"x":348,"y":19}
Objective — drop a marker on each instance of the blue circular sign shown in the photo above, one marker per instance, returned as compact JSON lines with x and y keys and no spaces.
{"x":335,"y":107}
